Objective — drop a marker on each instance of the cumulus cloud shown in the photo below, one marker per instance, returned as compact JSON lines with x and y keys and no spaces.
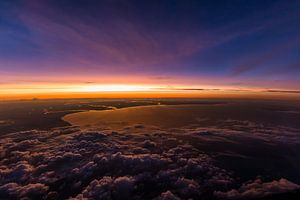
{"x":13,"y":190}
{"x":108,"y":188}
{"x":6,"y":122}
{"x":168,"y":196}
{"x":258,"y":189}
{"x":66,"y":163}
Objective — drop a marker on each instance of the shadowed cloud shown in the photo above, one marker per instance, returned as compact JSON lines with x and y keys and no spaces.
{"x":69,"y":163}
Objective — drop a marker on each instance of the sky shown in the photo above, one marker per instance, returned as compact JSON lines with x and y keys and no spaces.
{"x":168,"y":46}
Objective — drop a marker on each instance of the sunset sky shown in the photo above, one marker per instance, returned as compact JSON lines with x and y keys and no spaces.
{"x":111,"y":48}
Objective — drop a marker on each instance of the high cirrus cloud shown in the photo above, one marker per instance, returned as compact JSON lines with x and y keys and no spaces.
{"x":113,"y":35}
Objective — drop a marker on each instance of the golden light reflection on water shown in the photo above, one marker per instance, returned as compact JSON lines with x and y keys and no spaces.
{"x":161,"y":116}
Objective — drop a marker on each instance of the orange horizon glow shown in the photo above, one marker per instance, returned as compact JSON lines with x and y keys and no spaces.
{"x":113,"y":86}
{"x":59,"y":91}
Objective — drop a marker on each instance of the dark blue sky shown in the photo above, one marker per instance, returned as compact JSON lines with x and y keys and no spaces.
{"x":246,"y":43}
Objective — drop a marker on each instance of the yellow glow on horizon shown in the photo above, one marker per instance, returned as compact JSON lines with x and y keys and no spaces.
{"x":115,"y":88}
{"x":94,"y":90}
{"x":49,"y":88}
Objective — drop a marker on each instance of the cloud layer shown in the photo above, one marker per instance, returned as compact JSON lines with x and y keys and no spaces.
{"x":258,"y":189}
{"x":66,"y":163}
